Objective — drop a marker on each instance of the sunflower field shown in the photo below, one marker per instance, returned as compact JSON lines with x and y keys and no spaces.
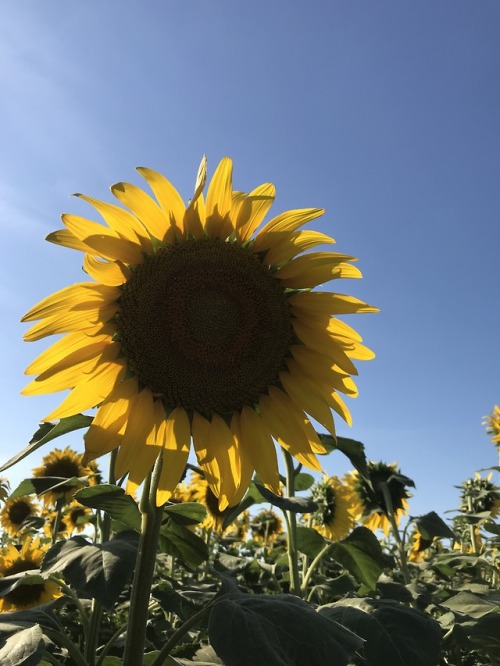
{"x":204,"y":359}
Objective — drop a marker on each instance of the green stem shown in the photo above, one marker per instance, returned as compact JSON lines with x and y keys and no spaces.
{"x":291,"y":522}
{"x":146,"y":558}
{"x":313,"y":566}
{"x":62,"y":640}
{"x":60,"y":504}
{"x":472,"y":531}
{"x":399,"y":542}
{"x":181,"y":631}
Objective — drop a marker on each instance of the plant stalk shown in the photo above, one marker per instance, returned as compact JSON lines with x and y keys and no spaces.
{"x":291,"y":522}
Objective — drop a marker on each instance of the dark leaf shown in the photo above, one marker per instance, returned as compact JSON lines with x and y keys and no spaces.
{"x":100,"y":571}
{"x":186,"y":513}
{"x":395,"y":634}
{"x":361,"y":555}
{"x":351,"y":448}
{"x":46,"y":433}
{"x":293,"y":504}
{"x":41,"y":485}
{"x":431,"y":525}
{"x":183,"y":544}
{"x":309,"y":541}
{"x":303,"y":481}
{"x":234,"y":511}
{"x":279,"y":630}
{"x":114,"y":501}
{"x":9,"y":583}
{"x":24,"y":648}
{"x":41,"y":615}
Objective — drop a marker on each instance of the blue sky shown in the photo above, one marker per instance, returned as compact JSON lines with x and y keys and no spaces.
{"x":385,"y":113}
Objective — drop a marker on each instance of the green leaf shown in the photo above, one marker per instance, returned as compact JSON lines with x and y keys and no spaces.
{"x":41,"y":485}
{"x":187,"y":513}
{"x":470,"y":604}
{"x":183,"y":544}
{"x":361,"y":555}
{"x":41,"y":615}
{"x":24,"y":648}
{"x":278,"y":630}
{"x":395,"y":634}
{"x":293,"y":504}
{"x":46,"y":433}
{"x":100,"y":571}
{"x":114,"y":501}
{"x":431,"y":525}
{"x":234,"y":511}
{"x":351,"y":448}
{"x":309,"y":541}
{"x":9,"y":583}
{"x":491,"y":527}
{"x":303,"y":481}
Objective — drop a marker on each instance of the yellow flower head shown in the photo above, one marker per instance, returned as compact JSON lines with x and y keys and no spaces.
{"x":266,"y":527}
{"x":334,"y":518}
{"x":65,"y":464}
{"x":421,"y":548}
{"x":368,"y":502}
{"x":77,"y":517}
{"x":14,"y":561}
{"x":198,"y":490}
{"x":15,"y":512}
{"x":492,"y":423}
{"x":197,"y":323}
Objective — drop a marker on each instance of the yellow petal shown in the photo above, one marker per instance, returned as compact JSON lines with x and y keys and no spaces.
{"x":143,"y":464}
{"x":253,"y":210}
{"x":144,"y":207}
{"x":194,"y":219}
{"x":225,"y":454}
{"x":63,"y":349}
{"x":320,"y":341}
{"x":260,"y":448}
{"x":140,"y":423}
{"x":219,"y":196}
{"x":200,"y":429}
{"x":288,"y":221}
{"x":169,"y":199}
{"x":103,"y":241}
{"x":75,"y":296}
{"x":124,"y":223}
{"x":303,"y":394}
{"x":71,"y":321}
{"x":319,"y":302}
{"x":318,"y":367}
{"x":67,"y":239}
{"x":175,"y":437}
{"x":107,"y":428}
{"x":67,"y":378}
{"x":283,"y":246}
{"x":245,"y":465}
{"x":90,"y":392}
{"x":314,"y":268}
{"x":112,"y":273}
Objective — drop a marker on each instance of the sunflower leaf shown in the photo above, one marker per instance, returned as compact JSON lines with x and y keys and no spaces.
{"x":279,"y":630}
{"x":100,"y":571}
{"x":309,"y":541}
{"x":42,"y":615}
{"x":112,"y":500}
{"x":46,"y":433}
{"x":293,"y":504}
{"x":43,"y":484}
{"x":431,"y":525}
{"x":186,"y":513}
{"x":24,"y":648}
{"x":361,"y":555}
{"x":183,"y":544}
{"x":351,"y":448}
{"x":394,"y":633}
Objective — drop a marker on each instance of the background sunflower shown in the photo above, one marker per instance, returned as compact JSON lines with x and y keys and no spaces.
{"x":334,"y":518}
{"x":16,"y":511}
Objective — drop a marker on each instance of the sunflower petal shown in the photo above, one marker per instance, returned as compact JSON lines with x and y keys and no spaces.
{"x":253,"y":210}
{"x":175,"y":437}
{"x":111,"y":273}
{"x":169,"y":199}
{"x":260,"y":448}
{"x":144,"y":208}
{"x":140,"y":423}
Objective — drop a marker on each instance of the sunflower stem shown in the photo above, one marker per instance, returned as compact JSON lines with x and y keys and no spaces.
{"x":146,"y":558}
{"x":313,"y":565}
{"x":60,"y":504}
{"x":399,"y":542}
{"x":64,"y":641}
{"x":291,"y":523}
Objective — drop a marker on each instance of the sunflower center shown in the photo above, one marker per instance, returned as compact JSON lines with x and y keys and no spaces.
{"x":205,"y":325}
{"x":63,"y":468}
{"x":23,"y":595}
{"x":19,"y":512}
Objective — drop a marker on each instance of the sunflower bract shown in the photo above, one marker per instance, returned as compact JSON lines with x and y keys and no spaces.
{"x":198,"y":327}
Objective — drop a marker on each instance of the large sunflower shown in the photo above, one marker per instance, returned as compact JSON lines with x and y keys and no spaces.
{"x":65,"y":464}
{"x":14,"y":561}
{"x":193,"y":325}
{"x":15,"y":512}
{"x":367,"y":497}
{"x":492,"y":423}
{"x":334,"y":516}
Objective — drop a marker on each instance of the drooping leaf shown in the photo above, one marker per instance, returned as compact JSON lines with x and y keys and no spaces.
{"x":309,"y":541}
{"x":351,"y":448}
{"x":303,"y":481}
{"x":234,"y":511}
{"x":183,"y":544}
{"x":46,"y":433}
{"x":23,"y":648}
{"x":114,"y":501}
{"x":100,"y":571}
{"x":471,"y":605}
{"x":40,"y":485}
{"x":395,"y":634}
{"x":279,"y":630}
{"x":9,"y":583}
{"x":431,"y":525}
{"x":361,"y":554}
{"x":186,"y":513}
{"x":293,"y":504}
{"x":42,"y":615}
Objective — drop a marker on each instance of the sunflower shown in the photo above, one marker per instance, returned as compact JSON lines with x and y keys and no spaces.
{"x":421,"y":548}
{"x":334,"y":518}
{"x":15,"y":512}
{"x":238,"y":530}
{"x":14,"y":561}
{"x":51,"y":519}
{"x":196,"y":326}
{"x":492,"y":423}
{"x":368,"y":503}
{"x":77,"y":517}
{"x":479,"y":495}
{"x":65,"y":464}
{"x":266,"y":527}
{"x":198,"y":490}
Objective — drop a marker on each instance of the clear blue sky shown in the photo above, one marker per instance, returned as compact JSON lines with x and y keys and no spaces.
{"x":385,"y":113}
